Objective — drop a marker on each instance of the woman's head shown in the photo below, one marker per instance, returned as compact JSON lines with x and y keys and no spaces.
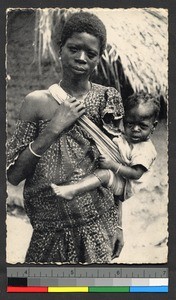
{"x":141,"y":114}
{"x":85,"y":22}
{"x":82,"y":42}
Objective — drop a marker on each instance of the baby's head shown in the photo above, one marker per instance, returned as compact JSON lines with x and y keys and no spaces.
{"x":141,"y":114}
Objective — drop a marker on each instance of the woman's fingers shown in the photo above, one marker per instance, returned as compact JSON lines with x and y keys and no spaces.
{"x":118,"y":245}
{"x":65,"y":115}
{"x":75,"y":102}
{"x":102,"y":157}
{"x":71,"y":99}
{"x":76,"y":106}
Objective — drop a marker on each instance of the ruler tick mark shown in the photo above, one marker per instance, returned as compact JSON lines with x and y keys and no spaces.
{"x":101,"y":273}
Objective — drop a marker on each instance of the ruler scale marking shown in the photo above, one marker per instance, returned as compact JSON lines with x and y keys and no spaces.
{"x":87,"y":279}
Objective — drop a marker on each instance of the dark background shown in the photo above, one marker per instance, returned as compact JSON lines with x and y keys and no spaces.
{"x":171,"y":5}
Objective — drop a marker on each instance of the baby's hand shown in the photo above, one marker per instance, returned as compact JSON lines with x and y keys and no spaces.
{"x":105,"y":162}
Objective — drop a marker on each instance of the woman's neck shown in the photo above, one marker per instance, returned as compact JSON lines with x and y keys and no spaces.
{"x":75,"y":88}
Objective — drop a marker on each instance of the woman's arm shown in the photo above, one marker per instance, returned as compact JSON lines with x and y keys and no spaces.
{"x":134,"y":172}
{"x":33,"y":109}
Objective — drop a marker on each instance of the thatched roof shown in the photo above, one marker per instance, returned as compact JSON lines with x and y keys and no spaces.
{"x":138,"y":36}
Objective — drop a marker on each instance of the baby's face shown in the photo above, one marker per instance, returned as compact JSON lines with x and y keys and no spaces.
{"x":139,"y":123}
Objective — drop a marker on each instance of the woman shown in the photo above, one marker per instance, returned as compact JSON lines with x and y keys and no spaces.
{"x":49,"y":146}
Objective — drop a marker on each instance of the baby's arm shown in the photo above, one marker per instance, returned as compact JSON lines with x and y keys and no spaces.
{"x":134,"y":172}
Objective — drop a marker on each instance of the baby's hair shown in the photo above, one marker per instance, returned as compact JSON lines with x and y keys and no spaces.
{"x":85,"y":22}
{"x":143,"y":98}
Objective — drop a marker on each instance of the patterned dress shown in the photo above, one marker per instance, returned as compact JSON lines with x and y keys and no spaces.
{"x":84,"y":229}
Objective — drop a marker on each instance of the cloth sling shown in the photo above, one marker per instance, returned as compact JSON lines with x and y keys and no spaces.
{"x":104,"y":143}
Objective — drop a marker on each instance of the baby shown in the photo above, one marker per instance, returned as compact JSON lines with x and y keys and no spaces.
{"x":136,"y":149}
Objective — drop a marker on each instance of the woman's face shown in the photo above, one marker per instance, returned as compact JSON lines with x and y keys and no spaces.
{"x":80,"y":54}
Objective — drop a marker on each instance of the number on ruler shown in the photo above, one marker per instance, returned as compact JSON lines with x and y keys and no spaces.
{"x":118,"y":272}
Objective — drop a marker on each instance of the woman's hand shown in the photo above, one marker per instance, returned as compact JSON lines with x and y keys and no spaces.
{"x":65,"y":115}
{"x":106,"y":162}
{"x":118,"y":246}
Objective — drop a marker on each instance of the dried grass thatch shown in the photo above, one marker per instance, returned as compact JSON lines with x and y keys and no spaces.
{"x":137,"y":38}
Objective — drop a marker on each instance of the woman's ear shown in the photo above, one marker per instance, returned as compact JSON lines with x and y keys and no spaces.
{"x":60,"y":48}
{"x":97,"y":63}
{"x":98,"y":60}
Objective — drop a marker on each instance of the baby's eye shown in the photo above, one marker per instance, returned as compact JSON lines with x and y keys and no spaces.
{"x":143,"y":127}
{"x":129,"y":124}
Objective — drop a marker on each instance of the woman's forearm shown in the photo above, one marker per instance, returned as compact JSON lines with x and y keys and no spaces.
{"x":26,"y":162}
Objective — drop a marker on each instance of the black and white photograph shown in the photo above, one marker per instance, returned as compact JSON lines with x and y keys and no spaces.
{"x":87,"y":135}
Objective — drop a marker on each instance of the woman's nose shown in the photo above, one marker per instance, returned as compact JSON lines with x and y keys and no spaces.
{"x":82,"y":57}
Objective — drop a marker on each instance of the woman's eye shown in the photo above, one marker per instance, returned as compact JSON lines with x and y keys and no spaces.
{"x":73,"y":49}
{"x":91,"y":55}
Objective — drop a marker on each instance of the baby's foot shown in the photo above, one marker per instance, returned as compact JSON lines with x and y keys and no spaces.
{"x":64,"y":191}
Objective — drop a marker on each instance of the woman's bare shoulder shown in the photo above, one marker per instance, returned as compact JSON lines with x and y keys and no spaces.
{"x":36,"y":105}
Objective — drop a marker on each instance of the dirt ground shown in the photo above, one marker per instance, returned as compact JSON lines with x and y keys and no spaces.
{"x":145,"y":216}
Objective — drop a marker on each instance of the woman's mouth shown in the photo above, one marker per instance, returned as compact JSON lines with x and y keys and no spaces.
{"x":79,"y":69}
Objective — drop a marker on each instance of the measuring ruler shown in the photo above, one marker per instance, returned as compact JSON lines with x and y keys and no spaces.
{"x":86,"y":279}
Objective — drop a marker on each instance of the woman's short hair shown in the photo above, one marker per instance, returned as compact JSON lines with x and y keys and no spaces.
{"x":143,"y":98}
{"x":85,"y":22}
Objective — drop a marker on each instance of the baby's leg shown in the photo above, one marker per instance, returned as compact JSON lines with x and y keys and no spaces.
{"x":90,"y":182}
